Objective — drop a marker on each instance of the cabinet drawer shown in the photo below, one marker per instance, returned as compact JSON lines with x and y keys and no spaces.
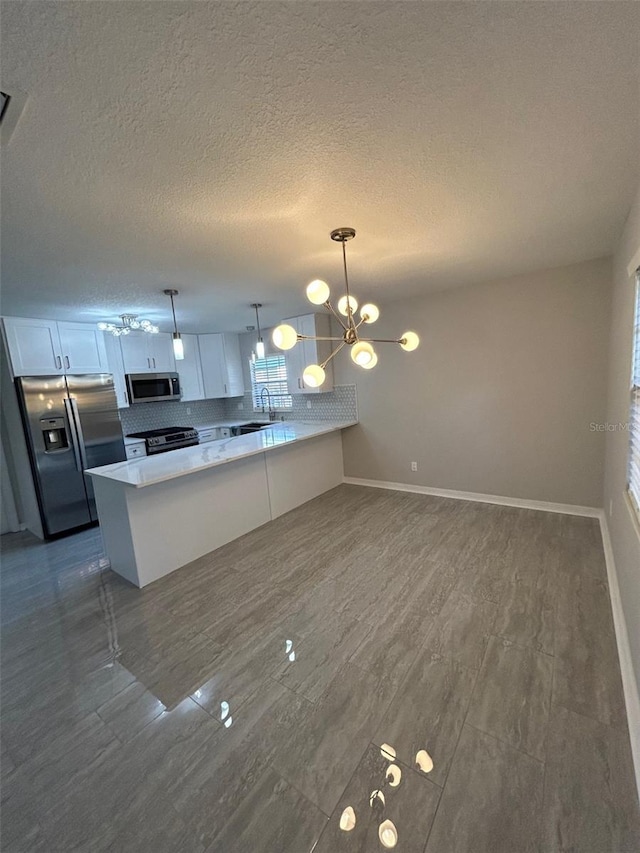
{"x":134,"y":451}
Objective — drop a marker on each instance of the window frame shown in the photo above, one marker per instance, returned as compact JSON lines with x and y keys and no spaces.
{"x":256,"y":387}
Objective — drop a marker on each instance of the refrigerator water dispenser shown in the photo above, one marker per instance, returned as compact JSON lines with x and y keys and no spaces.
{"x":54,"y":434}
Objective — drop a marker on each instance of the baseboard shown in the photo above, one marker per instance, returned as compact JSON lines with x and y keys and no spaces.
{"x":545,"y":506}
{"x":629,"y":683}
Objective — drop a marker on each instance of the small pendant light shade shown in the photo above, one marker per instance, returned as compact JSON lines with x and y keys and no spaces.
{"x":178,"y":345}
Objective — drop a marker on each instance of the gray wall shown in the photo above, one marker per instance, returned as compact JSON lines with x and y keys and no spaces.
{"x":499,"y":397}
{"x":623,"y":527}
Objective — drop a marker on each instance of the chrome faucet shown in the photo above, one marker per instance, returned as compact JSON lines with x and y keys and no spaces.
{"x":272,"y":413}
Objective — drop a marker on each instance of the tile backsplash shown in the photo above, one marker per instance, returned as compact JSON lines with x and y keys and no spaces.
{"x":341,"y":404}
{"x":145,"y":416}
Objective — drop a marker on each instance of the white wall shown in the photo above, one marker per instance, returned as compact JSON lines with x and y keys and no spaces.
{"x":499,"y":397}
{"x":623,"y":527}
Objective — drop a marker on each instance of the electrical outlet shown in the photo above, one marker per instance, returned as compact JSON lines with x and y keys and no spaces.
{"x":308,"y":404}
{"x":188,"y":410}
{"x":414,"y":466}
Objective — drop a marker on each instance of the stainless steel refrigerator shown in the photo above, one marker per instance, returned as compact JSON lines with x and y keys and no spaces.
{"x":71,"y":423}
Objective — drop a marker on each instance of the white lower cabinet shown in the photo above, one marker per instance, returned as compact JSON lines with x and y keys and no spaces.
{"x":135,"y":450}
{"x":221,"y":365}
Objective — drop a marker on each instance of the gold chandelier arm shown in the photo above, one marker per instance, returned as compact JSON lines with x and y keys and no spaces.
{"x":315,"y":338}
{"x":383,"y":340}
{"x":335,"y":352}
{"x":330,"y":307}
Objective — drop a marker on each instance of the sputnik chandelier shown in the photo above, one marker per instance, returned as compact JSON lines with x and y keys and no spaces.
{"x":362,"y":352}
{"x":130,"y":323}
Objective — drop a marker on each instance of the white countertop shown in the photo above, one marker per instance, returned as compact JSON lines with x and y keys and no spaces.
{"x":176,"y":463}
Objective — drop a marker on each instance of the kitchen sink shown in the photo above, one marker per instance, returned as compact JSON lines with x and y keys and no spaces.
{"x":254,"y":426}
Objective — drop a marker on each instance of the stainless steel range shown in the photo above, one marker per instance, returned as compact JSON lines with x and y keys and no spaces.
{"x":168,"y":438}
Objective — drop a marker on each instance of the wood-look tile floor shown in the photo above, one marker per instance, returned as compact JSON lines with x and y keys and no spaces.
{"x":241,"y":703}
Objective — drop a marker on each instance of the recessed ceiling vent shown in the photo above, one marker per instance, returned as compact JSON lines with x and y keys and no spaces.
{"x":11,"y":107}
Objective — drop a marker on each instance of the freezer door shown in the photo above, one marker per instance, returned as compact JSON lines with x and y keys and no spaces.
{"x":54,"y":453}
{"x":95,"y":412}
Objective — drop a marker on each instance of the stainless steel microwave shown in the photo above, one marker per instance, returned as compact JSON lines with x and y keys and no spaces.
{"x":153,"y":387}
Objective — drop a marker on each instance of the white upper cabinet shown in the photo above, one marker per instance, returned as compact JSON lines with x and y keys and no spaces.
{"x":116,"y":367}
{"x":83,"y":349}
{"x":34,"y":346}
{"x":221,"y":365}
{"x":161,"y":352}
{"x":135,"y":353}
{"x":190,"y":370}
{"x":305,"y":353}
{"x":44,"y":347}
{"x":145,"y":353}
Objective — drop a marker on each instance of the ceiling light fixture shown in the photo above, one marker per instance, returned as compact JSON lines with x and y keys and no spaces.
{"x":130,"y":323}
{"x":259,"y":352}
{"x":178,"y":346}
{"x":362,"y":352}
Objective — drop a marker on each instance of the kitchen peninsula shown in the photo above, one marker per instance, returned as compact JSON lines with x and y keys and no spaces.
{"x":160,"y":513}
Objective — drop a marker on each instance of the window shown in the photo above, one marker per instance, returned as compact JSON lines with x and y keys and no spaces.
{"x":634,"y":415}
{"x":270,"y":373}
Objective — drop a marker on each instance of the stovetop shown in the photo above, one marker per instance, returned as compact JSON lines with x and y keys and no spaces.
{"x":153,"y":433}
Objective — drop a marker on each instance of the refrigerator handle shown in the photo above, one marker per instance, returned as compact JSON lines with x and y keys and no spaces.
{"x":80,"y":436}
{"x":73,"y":435}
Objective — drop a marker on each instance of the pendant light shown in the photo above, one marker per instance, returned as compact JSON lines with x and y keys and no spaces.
{"x":362,"y":352}
{"x":178,"y":346}
{"x":259,"y":343}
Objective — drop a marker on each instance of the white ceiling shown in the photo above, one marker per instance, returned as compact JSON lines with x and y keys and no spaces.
{"x":211,"y":146}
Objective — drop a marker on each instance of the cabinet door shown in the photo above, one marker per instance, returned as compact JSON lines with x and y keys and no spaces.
{"x":161,"y":353}
{"x":294,"y":358}
{"x":34,"y":346}
{"x":190,"y":370}
{"x":305,"y":353}
{"x":135,"y":353}
{"x":115,"y":366}
{"x":83,"y":349}
{"x":233,"y":366}
{"x":315,"y":352}
{"x":213,"y":366}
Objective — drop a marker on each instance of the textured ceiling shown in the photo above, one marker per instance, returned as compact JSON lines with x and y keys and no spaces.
{"x":211,"y":146}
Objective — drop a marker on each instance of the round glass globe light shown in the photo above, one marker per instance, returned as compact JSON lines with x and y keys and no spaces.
{"x":362,"y":353}
{"x":284,"y":336}
{"x":388,"y":834}
{"x":318,"y":291}
{"x":342,"y":305}
{"x":369,"y":312}
{"x":313,"y":376}
{"x":409,"y":341}
{"x":372,"y":363}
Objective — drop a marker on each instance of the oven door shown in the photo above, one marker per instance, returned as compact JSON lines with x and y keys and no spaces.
{"x":153,"y":387}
